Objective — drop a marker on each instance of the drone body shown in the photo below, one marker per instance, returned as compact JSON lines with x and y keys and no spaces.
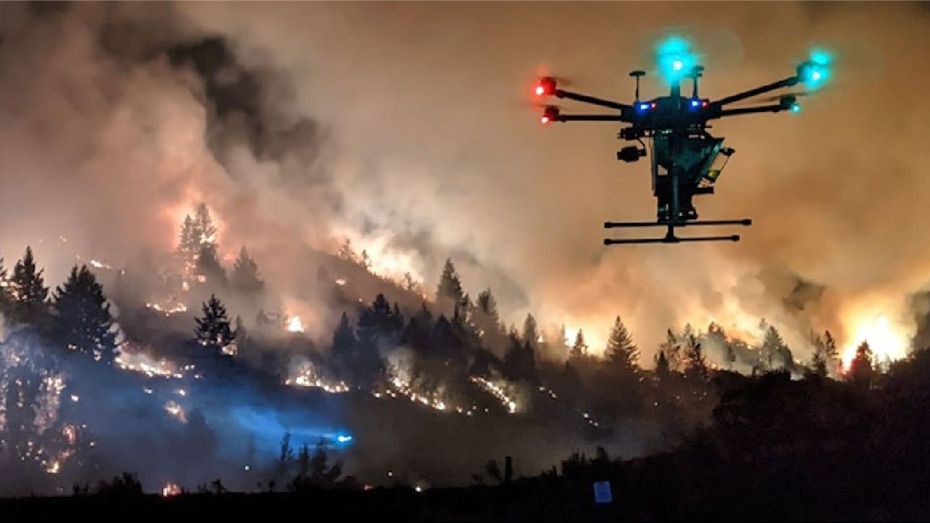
{"x":686,"y":159}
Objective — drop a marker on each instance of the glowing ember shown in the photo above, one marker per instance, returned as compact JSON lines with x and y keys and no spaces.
{"x":175,"y":410}
{"x":97,"y":264}
{"x":171,"y":489}
{"x":294,"y":324}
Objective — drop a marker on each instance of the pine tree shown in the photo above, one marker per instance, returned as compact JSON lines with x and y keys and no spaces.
{"x":621,"y":352}
{"x":27,"y":287}
{"x":245,"y":276}
{"x":487,"y":304}
{"x":197,"y":232}
{"x":203,"y":228}
{"x":84,"y":322}
{"x":531,"y":331}
{"x":285,"y":455}
{"x":344,"y":343}
{"x":6,"y":297}
{"x":579,"y":350}
{"x":831,"y":352}
{"x":520,"y":361}
{"x":347,"y":253}
{"x":213,"y":330}
{"x":819,"y":359}
{"x":694,"y":355}
{"x":208,"y":265}
{"x":410,"y":284}
{"x":365,"y":260}
{"x":303,"y":462}
{"x":662,"y":365}
{"x":321,"y":473}
{"x":861,"y":369}
{"x":775,"y":351}
{"x":671,"y":348}
{"x":449,"y":291}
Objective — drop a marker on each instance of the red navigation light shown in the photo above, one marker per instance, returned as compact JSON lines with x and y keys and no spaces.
{"x":545,"y":87}
{"x":550,"y":114}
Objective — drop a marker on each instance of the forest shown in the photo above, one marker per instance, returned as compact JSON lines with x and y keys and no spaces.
{"x":214,"y":400}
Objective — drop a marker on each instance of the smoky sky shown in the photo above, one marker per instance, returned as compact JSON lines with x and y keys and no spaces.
{"x":409,"y":128}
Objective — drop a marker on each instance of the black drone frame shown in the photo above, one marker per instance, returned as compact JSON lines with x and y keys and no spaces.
{"x":678,"y":131}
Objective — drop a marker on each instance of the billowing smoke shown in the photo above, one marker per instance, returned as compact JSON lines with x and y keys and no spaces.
{"x":406,"y":128}
{"x":437,"y":151}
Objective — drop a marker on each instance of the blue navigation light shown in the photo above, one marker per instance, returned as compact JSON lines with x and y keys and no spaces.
{"x":816,"y":71}
{"x":795,"y":107}
{"x":342,"y":439}
{"x":695,"y":103}
{"x":675,"y":58}
{"x":644,"y":106}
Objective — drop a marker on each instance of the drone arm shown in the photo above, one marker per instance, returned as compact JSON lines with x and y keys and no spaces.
{"x":592,"y":100}
{"x":772,"y":108}
{"x":589,"y":118}
{"x":787,"y":82}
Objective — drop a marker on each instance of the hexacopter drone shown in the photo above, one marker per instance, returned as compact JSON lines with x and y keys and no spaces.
{"x":686,"y":160}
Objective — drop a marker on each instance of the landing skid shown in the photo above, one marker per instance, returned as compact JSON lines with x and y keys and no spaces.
{"x":670,"y":234}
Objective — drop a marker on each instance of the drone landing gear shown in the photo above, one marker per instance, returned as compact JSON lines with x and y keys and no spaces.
{"x":670,"y":234}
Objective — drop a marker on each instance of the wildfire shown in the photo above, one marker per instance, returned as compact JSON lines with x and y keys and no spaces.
{"x":887,"y":340}
{"x":167,"y":307}
{"x":498,"y":391}
{"x":306,"y":376}
{"x":432,"y":400}
{"x":140,"y":362}
{"x":171,"y":489}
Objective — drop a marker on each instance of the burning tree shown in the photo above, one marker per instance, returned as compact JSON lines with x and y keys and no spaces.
{"x":84,"y":321}
{"x":196,"y":232}
{"x":579,"y":350}
{"x":27,"y":287}
{"x":861,"y":369}
{"x":31,"y":430}
{"x":696,"y":363}
{"x":213,"y":330}
{"x":197,"y":246}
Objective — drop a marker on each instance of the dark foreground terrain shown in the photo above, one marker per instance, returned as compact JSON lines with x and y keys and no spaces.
{"x":778,"y":448}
